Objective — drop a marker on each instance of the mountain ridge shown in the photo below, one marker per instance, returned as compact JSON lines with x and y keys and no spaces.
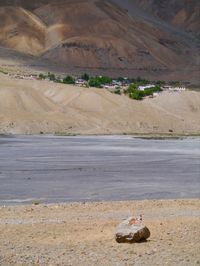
{"x":131,"y":36}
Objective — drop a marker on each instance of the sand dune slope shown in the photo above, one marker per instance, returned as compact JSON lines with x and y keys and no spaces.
{"x":40,"y":106}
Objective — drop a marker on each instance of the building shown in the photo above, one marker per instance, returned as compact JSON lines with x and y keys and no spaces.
{"x":142,"y":88}
{"x":177,"y":89}
{"x":116,"y":83}
{"x":170,"y":88}
{"x":80,"y":82}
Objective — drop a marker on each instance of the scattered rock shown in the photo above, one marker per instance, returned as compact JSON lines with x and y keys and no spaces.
{"x":131,"y":230}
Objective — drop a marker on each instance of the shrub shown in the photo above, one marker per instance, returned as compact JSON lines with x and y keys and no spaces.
{"x":3,"y":71}
{"x":51,"y":76}
{"x":35,"y":202}
{"x":136,"y":94}
{"x":117,"y":91}
{"x":42,"y":76}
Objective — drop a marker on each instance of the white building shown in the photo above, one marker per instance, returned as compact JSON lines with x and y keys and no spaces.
{"x":142,"y":88}
{"x":80,"y":82}
{"x":116,"y":83}
{"x":170,"y":88}
{"x":177,"y":89}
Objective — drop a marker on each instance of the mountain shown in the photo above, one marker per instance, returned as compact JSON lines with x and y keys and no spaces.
{"x":157,"y":39}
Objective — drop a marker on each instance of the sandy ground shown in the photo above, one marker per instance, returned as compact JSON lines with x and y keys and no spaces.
{"x":31,"y":107}
{"x":83,"y":234}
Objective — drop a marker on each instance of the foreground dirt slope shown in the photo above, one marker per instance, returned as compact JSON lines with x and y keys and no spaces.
{"x":83,"y":234}
{"x":130,"y":36}
{"x":40,"y":106}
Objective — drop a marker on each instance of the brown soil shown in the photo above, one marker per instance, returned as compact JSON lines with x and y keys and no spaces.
{"x":83,"y":234}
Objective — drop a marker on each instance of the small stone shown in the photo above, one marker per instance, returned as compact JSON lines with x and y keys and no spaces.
{"x":131,"y":230}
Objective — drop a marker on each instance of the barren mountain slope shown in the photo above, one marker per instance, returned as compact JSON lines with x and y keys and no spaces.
{"x":96,"y":34}
{"x":21,"y":30}
{"x":180,"y":13}
{"x":34,"y":106}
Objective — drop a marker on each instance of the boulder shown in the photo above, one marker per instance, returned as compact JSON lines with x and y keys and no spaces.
{"x":131,"y":230}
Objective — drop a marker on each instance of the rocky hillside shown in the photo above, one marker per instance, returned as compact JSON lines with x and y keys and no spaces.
{"x":147,"y":38}
{"x":182,"y":14}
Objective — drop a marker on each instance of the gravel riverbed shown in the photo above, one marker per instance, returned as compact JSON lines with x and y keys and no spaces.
{"x":83,"y":233}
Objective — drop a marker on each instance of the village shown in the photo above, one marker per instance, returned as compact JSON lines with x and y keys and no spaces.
{"x":136,"y":88}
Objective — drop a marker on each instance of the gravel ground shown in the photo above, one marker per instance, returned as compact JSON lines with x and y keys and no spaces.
{"x":83,"y":234}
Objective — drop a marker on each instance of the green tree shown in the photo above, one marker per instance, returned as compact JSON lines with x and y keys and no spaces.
{"x":42,"y":76}
{"x":51,"y":76}
{"x":136,"y":95}
{"x":94,"y":82}
{"x":69,"y":80}
{"x":105,"y":80}
{"x":132,"y":87}
{"x":160,"y":82}
{"x":121,"y":79}
{"x":85,"y":76}
{"x":99,"y":81}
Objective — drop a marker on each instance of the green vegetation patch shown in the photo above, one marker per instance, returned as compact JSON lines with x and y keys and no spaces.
{"x":136,"y":94}
{"x":99,"y":81}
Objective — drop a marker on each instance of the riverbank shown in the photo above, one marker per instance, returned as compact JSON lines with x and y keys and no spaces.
{"x":134,"y":135}
{"x":83,"y":234}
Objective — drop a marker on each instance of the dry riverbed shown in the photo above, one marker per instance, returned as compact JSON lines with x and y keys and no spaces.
{"x":83,"y":234}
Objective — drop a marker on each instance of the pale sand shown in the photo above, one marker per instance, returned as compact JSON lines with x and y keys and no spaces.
{"x":83,"y":234}
{"x":31,"y":107}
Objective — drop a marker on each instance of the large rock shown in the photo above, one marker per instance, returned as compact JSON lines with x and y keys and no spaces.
{"x":131,"y":230}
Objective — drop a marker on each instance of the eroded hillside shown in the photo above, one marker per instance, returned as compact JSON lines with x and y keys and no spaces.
{"x":29,"y":107}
